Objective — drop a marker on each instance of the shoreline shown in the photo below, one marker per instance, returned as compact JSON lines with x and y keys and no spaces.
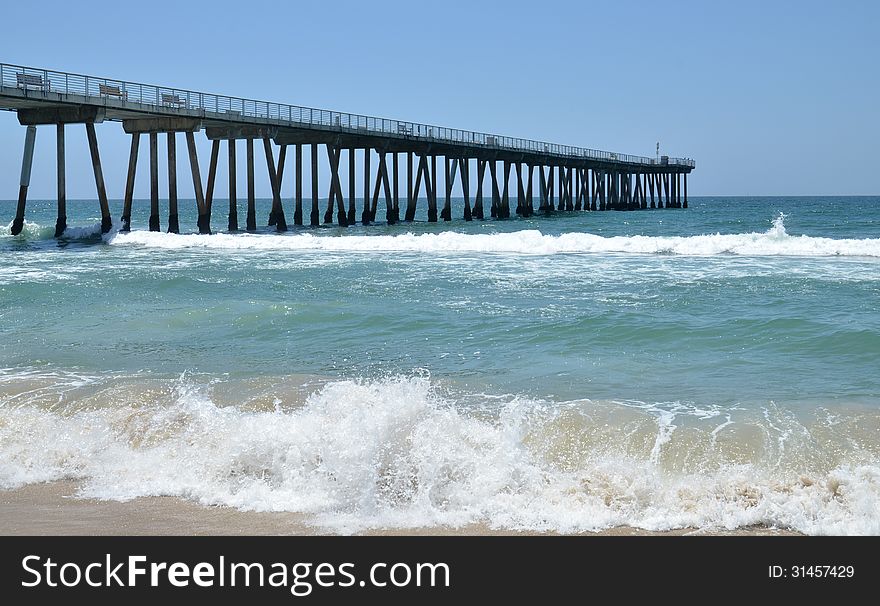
{"x":52,"y":509}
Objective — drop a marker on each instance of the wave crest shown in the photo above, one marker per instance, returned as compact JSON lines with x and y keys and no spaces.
{"x":403,"y":453}
{"x":773,"y":242}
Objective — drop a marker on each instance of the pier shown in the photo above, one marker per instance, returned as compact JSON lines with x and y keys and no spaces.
{"x":547,"y":177}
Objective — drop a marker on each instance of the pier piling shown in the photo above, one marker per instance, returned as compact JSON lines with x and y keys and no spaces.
{"x":232,"y":222}
{"x":27,"y":162}
{"x":61,"y":221}
{"x":298,"y":194}
{"x":251,"y":217}
{"x":410,"y":197}
{"x":154,"y":181}
{"x":466,"y":187}
{"x":313,"y":216}
{"x":129,"y":182}
{"x":365,"y":213}
{"x":352,"y":188}
{"x":173,"y":220}
{"x":202,"y":221}
{"x":106,"y":221}
{"x":212,"y":176}
{"x":276,"y":215}
{"x":395,"y":187}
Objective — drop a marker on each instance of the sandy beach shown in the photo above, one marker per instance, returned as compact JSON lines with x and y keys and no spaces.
{"x":54,"y":509}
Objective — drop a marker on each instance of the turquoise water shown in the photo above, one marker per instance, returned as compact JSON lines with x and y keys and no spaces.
{"x":709,"y":367}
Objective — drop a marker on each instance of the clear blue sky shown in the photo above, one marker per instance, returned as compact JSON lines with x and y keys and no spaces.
{"x":770,"y":98}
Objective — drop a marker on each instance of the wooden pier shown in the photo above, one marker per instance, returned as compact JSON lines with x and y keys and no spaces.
{"x":566,"y":178}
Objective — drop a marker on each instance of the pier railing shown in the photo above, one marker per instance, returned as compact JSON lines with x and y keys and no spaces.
{"x":50,"y":84}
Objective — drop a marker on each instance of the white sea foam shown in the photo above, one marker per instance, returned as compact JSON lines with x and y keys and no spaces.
{"x":774,"y":242}
{"x":37,"y":231}
{"x":402,"y":453}
{"x":82,"y":233}
{"x":29,"y":231}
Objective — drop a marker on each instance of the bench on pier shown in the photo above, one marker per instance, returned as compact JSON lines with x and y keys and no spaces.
{"x":490,"y":140}
{"x":169,"y":100}
{"x":404,"y":129}
{"x":26,"y":81}
{"x":106,"y":90}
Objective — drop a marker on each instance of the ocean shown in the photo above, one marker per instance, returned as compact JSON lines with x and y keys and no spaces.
{"x":713,"y":368}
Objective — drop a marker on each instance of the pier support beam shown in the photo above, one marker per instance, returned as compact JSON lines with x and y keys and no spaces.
{"x":677,"y":190}
{"x":560,"y":203}
{"x":520,"y":191}
{"x":615,"y":191}
{"x":658,"y":181}
{"x":496,"y":195}
{"x":173,"y":220}
{"x":542,"y":205}
{"x":569,"y":189}
{"x":424,"y":171}
{"x":395,"y":187}
{"x":154,"y":181}
{"x":27,"y":162}
{"x":365,"y":213}
{"x":276,"y":215}
{"x":591,"y":185}
{"x":129,"y":182}
{"x":389,"y":198}
{"x":314,"y":216}
{"x":232,"y":223}
{"x":333,"y":155}
{"x":341,"y":213}
{"x":674,"y":186}
{"x":529,"y":206}
{"x":504,"y":207}
{"x":563,"y":192}
{"x":251,"y":216}
{"x":298,"y":193}
{"x":685,"y":190}
{"x":106,"y":221}
{"x":665,"y":185}
{"x":382,"y":184}
{"x":432,"y":191}
{"x":331,"y":190}
{"x":202,"y":221}
{"x":61,"y":221}
{"x":478,"y":197}
{"x":212,"y":177}
{"x":446,"y":213}
{"x":352,"y":186}
{"x":465,"y":171}
{"x":410,"y":195}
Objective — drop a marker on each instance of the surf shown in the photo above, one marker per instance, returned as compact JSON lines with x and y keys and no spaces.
{"x":775,"y":242}
{"x":406,"y":452}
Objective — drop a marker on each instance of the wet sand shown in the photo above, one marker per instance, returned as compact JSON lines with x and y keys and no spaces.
{"x":53,"y":509}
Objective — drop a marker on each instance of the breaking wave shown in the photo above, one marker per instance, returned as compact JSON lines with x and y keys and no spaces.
{"x":773,"y":242}
{"x":406,"y":452}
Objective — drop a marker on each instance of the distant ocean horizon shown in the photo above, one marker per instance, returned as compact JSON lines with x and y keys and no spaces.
{"x":714,"y":368}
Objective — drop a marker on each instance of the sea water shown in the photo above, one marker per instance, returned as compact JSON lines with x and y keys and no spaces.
{"x":716,"y":367}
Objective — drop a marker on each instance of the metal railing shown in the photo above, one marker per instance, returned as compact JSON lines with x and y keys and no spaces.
{"x":55,"y":85}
